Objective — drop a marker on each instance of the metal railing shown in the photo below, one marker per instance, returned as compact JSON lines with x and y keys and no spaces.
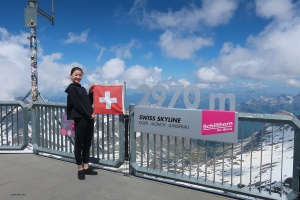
{"x":107,"y":143}
{"x":261,"y":165}
{"x":264,"y":164}
{"x":13,"y":131}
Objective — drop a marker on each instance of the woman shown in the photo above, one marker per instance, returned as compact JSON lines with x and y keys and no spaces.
{"x":79,"y":108}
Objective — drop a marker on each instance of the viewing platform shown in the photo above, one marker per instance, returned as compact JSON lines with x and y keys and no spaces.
{"x":34,"y":177}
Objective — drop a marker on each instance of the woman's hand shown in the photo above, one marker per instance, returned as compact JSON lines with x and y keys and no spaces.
{"x":93,"y":116}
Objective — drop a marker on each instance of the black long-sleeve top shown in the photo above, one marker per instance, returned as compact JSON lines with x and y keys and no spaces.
{"x":79,"y":103}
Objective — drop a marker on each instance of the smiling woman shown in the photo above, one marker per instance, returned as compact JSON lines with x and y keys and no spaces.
{"x":79,"y":108}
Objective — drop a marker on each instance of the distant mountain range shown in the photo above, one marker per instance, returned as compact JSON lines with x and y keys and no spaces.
{"x":264,"y":104}
{"x":246,"y":101}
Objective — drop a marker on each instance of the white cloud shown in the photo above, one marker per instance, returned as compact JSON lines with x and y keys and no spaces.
{"x":74,"y":38}
{"x":254,"y":86}
{"x":15,"y":68}
{"x":54,"y":76}
{"x":293,"y":82}
{"x":212,"y":13}
{"x":183,"y":29}
{"x":270,"y":55}
{"x":276,"y":8}
{"x":102,"y":49}
{"x":184,"y":82}
{"x":204,"y":85}
{"x":137,"y":72}
{"x":137,"y":75}
{"x":15,"y":73}
{"x":216,"y":12}
{"x":114,"y":72}
{"x":174,"y":45}
{"x":124,"y":51}
{"x":210,"y":75}
{"x":112,"y":68}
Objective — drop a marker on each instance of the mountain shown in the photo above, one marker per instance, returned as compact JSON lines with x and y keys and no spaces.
{"x":264,"y":104}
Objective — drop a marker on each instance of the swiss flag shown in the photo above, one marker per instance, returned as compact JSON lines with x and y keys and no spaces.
{"x":108,"y":99}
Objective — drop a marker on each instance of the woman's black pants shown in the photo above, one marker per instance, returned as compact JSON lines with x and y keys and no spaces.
{"x":84,"y":131}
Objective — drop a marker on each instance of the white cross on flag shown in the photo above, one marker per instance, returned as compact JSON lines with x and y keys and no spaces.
{"x":108,"y":99}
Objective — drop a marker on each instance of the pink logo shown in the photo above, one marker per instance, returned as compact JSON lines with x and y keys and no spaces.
{"x":217,"y":121}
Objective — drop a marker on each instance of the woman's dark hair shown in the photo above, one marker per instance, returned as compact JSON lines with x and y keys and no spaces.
{"x":76,"y":68}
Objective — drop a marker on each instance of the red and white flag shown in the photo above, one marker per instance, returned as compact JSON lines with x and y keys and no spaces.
{"x":108,"y":99}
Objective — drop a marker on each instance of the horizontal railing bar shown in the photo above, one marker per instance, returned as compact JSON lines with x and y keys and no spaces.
{"x":50,"y":104}
{"x":18,"y":147}
{"x":12,"y":103}
{"x":270,"y":118}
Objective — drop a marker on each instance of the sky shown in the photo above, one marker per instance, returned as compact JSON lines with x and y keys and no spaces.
{"x":214,"y":44}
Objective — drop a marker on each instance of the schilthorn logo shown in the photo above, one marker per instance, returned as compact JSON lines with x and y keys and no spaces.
{"x":218,"y":125}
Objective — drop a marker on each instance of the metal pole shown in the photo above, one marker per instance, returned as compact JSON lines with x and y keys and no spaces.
{"x":30,"y":14}
{"x":33,"y":52}
{"x":33,"y":57}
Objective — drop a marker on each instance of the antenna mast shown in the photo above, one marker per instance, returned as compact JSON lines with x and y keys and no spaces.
{"x":30,"y":14}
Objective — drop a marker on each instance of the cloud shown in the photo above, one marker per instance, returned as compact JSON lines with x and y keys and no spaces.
{"x":114,"y":71}
{"x":15,"y":68}
{"x":73,"y":38}
{"x":184,"y":30}
{"x":210,"y":75}
{"x":137,"y":75}
{"x":100,"y":54}
{"x":270,"y":55}
{"x":184,"y":82}
{"x":215,"y":12}
{"x":124,"y":51}
{"x":102,"y":49}
{"x":148,"y":55}
{"x":14,"y":65}
{"x":112,"y":68}
{"x":293,"y":82}
{"x":212,"y":13}
{"x":54,"y":76}
{"x":182,"y":48}
{"x":254,"y":86}
{"x":280,"y":9}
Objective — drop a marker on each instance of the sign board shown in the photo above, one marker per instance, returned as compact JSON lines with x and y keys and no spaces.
{"x":30,"y":15}
{"x":211,"y":125}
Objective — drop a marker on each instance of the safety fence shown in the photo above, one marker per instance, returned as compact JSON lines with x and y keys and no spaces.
{"x":107,"y":143}
{"x":264,"y":164}
{"x":14,"y":125}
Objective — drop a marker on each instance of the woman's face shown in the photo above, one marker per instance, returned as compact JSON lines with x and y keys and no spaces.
{"x":76,"y":76}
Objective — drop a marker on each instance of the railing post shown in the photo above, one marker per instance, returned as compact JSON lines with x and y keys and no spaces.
{"x":296,"y":162}
{"x":25,"y":125}
{"x":132,"y":139}
{"x":33,"y":126}
{"x":126,"y":137}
